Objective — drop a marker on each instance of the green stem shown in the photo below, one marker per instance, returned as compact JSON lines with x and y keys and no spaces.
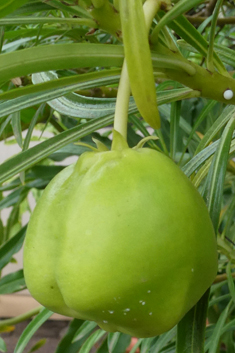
{"x":20,"y":318}
{"x":150,"y":8}
{"x":122,"y":103}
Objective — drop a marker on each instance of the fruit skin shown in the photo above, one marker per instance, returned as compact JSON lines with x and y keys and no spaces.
{"x":122,"y":238}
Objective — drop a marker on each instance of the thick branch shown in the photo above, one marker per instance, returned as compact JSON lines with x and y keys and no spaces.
{"x":220,"y":22}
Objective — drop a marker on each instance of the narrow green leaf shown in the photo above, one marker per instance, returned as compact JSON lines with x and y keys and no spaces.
{"x":76,"y":105}
{"x":31,"y":127}
{"x":230,"y":281}
{"x":136,"y":346}
{"x":86,"y":328}
{"x":112,"y":340}
{"x":181,"y":7}
{"x":174,"y":127}
{"x":31,"y":329}
{"x":12,"y":246}
{"x":93,"y":338}
{"x":213,"y":130}
{"x":74,"y":10}
{"x":118,"y":342}
{"x":203,"y":114}
{"x":66,"y":345}
{"x":8,"y":6}
{"x":209,"y":59}
{"x":163,"y":340}
{"x":215,"y":337}
{"x":14,"y":197}
{"x":138,"y":60}
{"x":1,"y":37}
{"x":60,"y":56}
{"x":3,"y":347}
{"x":72,"y":104}
{"x":13,"y":282}
{"x":190,"y":34}
{"x":202,"y":156}
{"x":216,"y":175}
{"x":35,"y":154}
{"x":16,"y":127}
{"x":191,"y":329}
{"x":42,"y":20}
{"x":146,"y":344}
{"x":184,"y":125}
{"x":5,"y":123}
{"x":38,"y":345}
{"x":230,"y":326}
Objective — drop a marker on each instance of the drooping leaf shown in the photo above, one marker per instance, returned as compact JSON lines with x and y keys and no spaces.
{"x":138,"y":60}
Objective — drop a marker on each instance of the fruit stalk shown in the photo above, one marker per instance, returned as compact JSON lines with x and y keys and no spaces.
{"x":150,"y":8}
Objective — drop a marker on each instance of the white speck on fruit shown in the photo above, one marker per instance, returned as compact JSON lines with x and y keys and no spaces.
{"x":127,"y":309}
{"x":143,"y":303}
{"x":192,"y":270}
{"x":228,"y":94}
{"x":149,"y":291}
{"x":124,"y":313}
{"x":105,"y":321}
{"x":111,"y":311}
{"x":151,"y":313}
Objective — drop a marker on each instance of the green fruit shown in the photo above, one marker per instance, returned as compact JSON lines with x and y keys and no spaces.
{"x":122,"y":238}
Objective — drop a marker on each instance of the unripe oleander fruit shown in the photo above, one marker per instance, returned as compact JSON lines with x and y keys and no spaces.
{"x":121,"y":238}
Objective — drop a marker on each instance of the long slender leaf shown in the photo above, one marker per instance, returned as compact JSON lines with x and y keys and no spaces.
{"x":93,"y":338}
{"x":13,"y":282}
{"x":16,"y":126}
{"x":174,"y":127}
{"x":138,"y":59}
{"x":8,"y":6}
{"x":42,"y":20}
{"x":3,"y":347}
{"x":191,"y":329}
{"x":31,"y":329}
{"x":209,"y":60}
{"x":146,"y":344}
{"x":213,"y":130}
{"x":189,"y":33}
{"x":66,"y":345}
{"x":230,"y":281}
{"x":35,"y":154}
{"x":216,"y":175}
{"x":86,"y":328}
{"x":12,"y":246}
{"x":118,"y":342}
{"x":202,"y":156}
{"x":214,"y":339}
{"x":181,"y":7}
{"x":60,"y":56}
{"x":112,"y":340}
{"x":203,"y":114}
{"x":163,"y":340}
